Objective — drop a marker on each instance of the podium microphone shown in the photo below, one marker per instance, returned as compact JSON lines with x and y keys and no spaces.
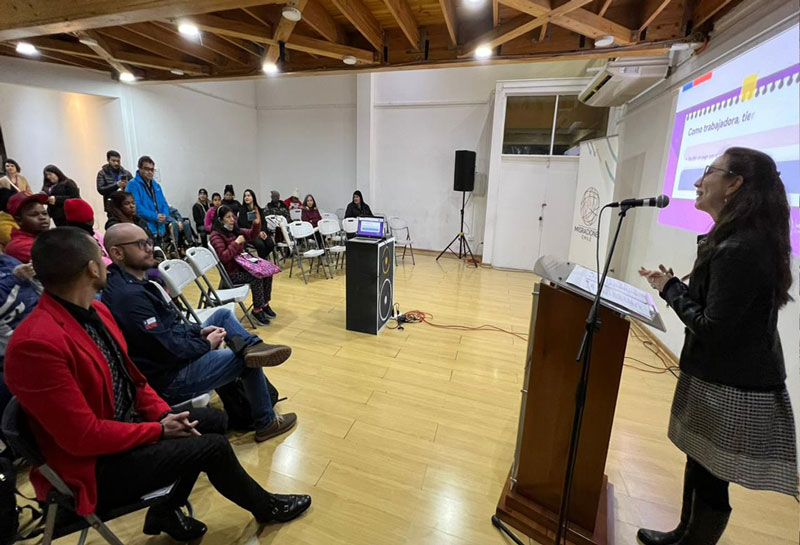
{"x":659,"y":202}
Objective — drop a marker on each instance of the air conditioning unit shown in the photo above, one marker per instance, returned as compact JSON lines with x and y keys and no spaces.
{"x":623,"y":79}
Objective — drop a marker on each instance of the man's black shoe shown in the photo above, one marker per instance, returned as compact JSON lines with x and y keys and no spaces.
{"x":174,"y":523}
{"x":285,"y":507}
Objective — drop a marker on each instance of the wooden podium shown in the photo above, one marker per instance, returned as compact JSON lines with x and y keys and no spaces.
{"x":532,"y":495}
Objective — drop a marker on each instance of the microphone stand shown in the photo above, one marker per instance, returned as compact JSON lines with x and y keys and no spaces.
{"x":585,"y":357}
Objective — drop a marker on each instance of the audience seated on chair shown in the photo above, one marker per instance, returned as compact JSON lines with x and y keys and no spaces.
{"x":357,"y":208}
{"x":98,"y":423}
{"x":29,"y":213}
{"x":276,"y":207}
{"x":184,"y":360}
{"x":19,"y":293}
{"x":79,"y":214}
{"x":211,"y":213}
{"x":199,"y":210}
{"x":180,"y":225}
{"x":248,"y":213}
{"x":294,"y":200}
{"x":122,"y":209}
{"x":228,"y":240}
{"x":150,"y":202}
{"x":112,"y":176}
{"x":229,"y":199}
{"x":58,"y":188}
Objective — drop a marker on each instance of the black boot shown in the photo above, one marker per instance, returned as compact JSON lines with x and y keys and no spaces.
{"x":654,"y":537}
{"x":706,"y":525}
{"x":174,"y":523}
{"x":284,"y":507}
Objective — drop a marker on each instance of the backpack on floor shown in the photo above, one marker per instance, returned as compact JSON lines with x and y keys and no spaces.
{"x":237,"y":406}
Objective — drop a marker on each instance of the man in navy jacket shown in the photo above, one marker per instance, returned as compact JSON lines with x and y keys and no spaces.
{"x":183,"y":360}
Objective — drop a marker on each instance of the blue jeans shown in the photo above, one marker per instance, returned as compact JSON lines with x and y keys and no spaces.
{"x":176,"y":231}
{"x":217,"y":368}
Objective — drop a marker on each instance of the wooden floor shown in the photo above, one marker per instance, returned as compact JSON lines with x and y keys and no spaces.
{"x":406,"y":438}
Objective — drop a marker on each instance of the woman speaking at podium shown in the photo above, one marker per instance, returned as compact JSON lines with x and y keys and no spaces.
{"x":731,"y":413}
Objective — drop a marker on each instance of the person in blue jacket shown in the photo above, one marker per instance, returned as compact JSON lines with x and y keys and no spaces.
{"x":151,"y":205}
{"x":19,"y":293}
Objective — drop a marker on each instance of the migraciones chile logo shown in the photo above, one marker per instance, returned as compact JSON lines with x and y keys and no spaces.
{"x":590,"y":204}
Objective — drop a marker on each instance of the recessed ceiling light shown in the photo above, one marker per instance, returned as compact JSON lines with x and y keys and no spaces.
{"x":91,"y":42}
{"x":189,"y":30}
{"x":270,"y":68}
{"x":127,"y":77}
{"x":26,"y":49}
{"x":349,"y":59}
{"x":176,"y":72}
{"x":483,"y":52}
{"x":291,"y":13}
{"x":604,"y":41}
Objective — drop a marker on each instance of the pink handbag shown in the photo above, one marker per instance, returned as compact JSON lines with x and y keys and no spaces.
{"x":260,"y":268}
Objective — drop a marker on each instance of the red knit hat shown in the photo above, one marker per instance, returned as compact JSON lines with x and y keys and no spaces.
{"x":78,"y":211}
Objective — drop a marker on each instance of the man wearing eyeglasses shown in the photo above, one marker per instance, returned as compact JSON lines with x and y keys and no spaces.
{"x":182,"y":360}
{"x":151,"y":205}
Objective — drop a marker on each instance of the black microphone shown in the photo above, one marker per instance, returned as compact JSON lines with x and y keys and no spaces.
{"x":659,"y":202}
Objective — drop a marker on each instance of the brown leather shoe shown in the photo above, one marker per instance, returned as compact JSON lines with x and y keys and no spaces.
{"x":266,"y":355}
{"x":281,"y":424}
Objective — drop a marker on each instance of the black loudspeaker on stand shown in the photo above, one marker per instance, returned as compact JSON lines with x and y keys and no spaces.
{"x":463,"y":180}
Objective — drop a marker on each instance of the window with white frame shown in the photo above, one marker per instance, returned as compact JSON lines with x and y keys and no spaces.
{"x":550,"y":124}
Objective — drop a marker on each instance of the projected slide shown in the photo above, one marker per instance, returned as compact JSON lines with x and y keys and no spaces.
{"x":751,"y":101}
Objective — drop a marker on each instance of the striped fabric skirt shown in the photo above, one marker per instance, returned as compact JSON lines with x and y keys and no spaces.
{"x":740,"y":436}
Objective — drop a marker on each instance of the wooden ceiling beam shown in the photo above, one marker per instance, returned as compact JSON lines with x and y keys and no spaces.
{"x":260,"y":14}
{"x":330,"y":50}
{"x":495,"y":12}
{"x":23,"y":19}
{"x":283,"y":30}
{"x":128,"y":36}
{"x":163,"y":36}
{"x":321,"y":21}
{"x":650,"y":10}
{"x":518,"y":26}
{"x":706,"y":9}
{"x":245,"y":45}
{"x":579,"y":20}
{"x":103,"y":50}
{"x":405,"y":19}
{"x":228,"y":27}
{"x":360,"y":17}
{"x":87,"y":60}
{"x":148,"y":61}
{"x":604,"y":8}
{"x":223,"y":47}
{"x":450,"y":20}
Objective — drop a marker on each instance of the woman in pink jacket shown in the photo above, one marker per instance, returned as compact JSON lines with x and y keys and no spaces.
{"x":228,"y":240}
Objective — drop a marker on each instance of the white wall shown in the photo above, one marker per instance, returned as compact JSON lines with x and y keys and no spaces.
{"x":70,"y":130}
{"x":307,"y":138}
{"x":644,"y":133}
{"x":200,"y":134}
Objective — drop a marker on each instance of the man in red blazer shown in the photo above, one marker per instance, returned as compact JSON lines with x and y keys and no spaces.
{"x":97,"y":422}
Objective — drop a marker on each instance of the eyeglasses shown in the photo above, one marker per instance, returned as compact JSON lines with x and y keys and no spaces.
{"x":709,"y":168}
{"x":148,"y":169}
{"x":142,"y":243}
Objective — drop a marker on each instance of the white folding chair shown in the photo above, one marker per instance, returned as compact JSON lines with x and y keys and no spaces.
{"x":202,"y":260}
{"x":350,"y":225}
{"x":398,"y":224}
{"x":287,"y":243}
{"x":177,"y":275}
{"x":329,"y":228}
{"x":296,"y":214}
{"x":340,"y":212}
{"x":329,"y":216}
{"x":303,"y":234}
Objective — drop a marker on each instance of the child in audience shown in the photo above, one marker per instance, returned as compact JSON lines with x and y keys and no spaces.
{"x":199,"y":210}
{"x":30,"y":214}
{"x":216,"y":202}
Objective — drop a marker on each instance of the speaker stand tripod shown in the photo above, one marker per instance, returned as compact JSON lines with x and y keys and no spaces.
{"x":463,"y":245}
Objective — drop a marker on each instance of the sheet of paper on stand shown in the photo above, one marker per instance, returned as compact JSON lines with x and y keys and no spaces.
{"x":614,"y":291}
